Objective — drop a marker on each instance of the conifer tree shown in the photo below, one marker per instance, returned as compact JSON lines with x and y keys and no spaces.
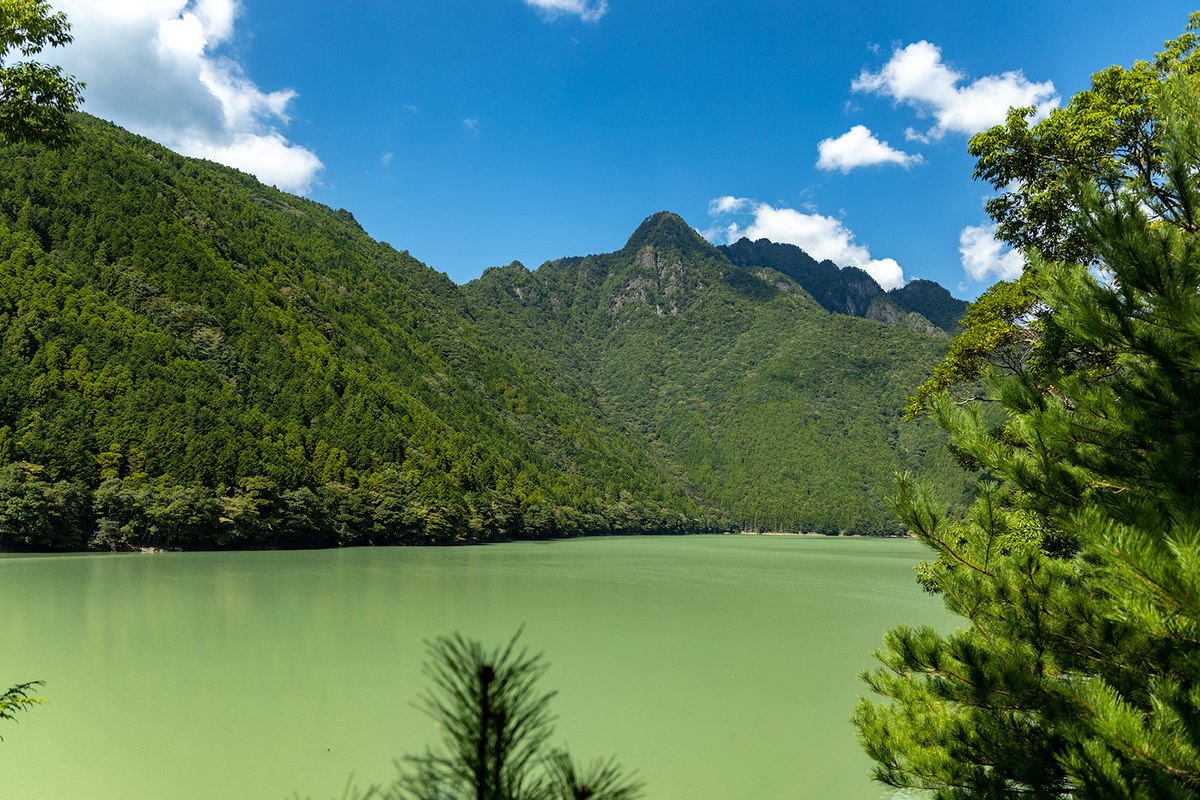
{"x":1076,"y":671}
{"x":17,"y":699}
{"x":495,"y":724}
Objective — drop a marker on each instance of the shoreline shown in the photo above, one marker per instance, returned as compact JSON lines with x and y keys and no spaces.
{"x":814,"y":534}
{"x":150,"y":550}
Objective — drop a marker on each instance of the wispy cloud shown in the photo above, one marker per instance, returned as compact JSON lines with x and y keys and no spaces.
{"x":154,"y":67}
{"x":858,"y":147}
{"x":387,"y":159}
{"x":472,"y":123}
{"x":984,"y":257}
{"x":916,"y":76}
{"x":412,"y":108}
{"x":820,"y":236}
{"x":586,"y":10}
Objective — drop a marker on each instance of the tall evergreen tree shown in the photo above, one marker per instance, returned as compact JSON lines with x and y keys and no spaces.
{"x":1077,"y":670}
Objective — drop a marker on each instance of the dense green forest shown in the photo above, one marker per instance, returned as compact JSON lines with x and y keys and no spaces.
{"x":783,"y":414}
{"x":191,"y":359}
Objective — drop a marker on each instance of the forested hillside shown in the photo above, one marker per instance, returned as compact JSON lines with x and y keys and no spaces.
{"x":191,"y":359}
{"x":783,"y":414}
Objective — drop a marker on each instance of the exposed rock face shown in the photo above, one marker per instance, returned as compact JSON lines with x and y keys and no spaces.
{"x":884,"y":310}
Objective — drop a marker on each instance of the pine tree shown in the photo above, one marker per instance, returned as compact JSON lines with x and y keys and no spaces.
{"x":1076,"y":672}
{"x":495,"y":724}
{"x":17,"y":699}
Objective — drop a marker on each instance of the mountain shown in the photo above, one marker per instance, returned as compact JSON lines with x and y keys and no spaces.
{"x":776,"y":410}
{"x":850,"y":290}
{"x":189,"y":358}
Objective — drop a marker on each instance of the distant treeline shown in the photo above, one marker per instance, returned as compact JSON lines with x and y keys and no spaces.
{"x":132,"y":513}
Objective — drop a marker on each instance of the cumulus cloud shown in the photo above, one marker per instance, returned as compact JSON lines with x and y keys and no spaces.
{"x":153,"y":66}
{"x":820,"y":236}
{"x":727,"y":205}
{"x":916,"y":76}
{"x":586,"y":10}
{"x":984,"y":257}
{"x":858,"y":147}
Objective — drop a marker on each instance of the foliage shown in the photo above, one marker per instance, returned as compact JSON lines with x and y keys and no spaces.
{"x":601,"y":779}
{"x":36,"y":100}
{"x":17,"y":699}
{"x":495,"y":723}
{"x":493,"y":719}
{"x":1076,"y":673}
{"x":1111,"y":131}
{"x":1000,"y":330}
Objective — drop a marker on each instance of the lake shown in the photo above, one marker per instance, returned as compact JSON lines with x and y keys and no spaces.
{"x":718,"y":666}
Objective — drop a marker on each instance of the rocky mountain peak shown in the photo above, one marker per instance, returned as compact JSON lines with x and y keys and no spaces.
{"x":666,"y":230}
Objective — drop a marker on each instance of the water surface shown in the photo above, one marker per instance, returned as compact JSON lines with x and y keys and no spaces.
{"x":719,"y":666}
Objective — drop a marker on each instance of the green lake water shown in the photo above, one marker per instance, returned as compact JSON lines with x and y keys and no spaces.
{"x":719,"y":666}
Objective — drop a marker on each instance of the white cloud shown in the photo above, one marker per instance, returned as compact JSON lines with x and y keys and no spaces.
{"x":984,"y":257}
{"x":820,"y":236}
{"x":727,"y":204}
{"x":386,"y":160}
{"x":153,"y":67}
{"x":268,"y":157}
{"x":472,"y":123}
{"x":858,"y":147}
{"x":585,"y":10}
{"x":915,"y":75}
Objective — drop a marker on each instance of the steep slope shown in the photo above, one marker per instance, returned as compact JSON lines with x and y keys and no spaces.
{"x":784,"y":414}
{"x":850,"y":290}
{"x":190,"y":358}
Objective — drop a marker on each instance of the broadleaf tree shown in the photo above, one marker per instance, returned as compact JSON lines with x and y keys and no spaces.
{"x":1110,"y":132}
{"x":1076,"y":672}
{"x":36,"y":100}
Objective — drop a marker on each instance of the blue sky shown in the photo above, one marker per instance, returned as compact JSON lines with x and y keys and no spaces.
{"x":474,"y":133}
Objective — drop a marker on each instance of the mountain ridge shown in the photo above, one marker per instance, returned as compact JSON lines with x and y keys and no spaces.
{"x":850,"y":290}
